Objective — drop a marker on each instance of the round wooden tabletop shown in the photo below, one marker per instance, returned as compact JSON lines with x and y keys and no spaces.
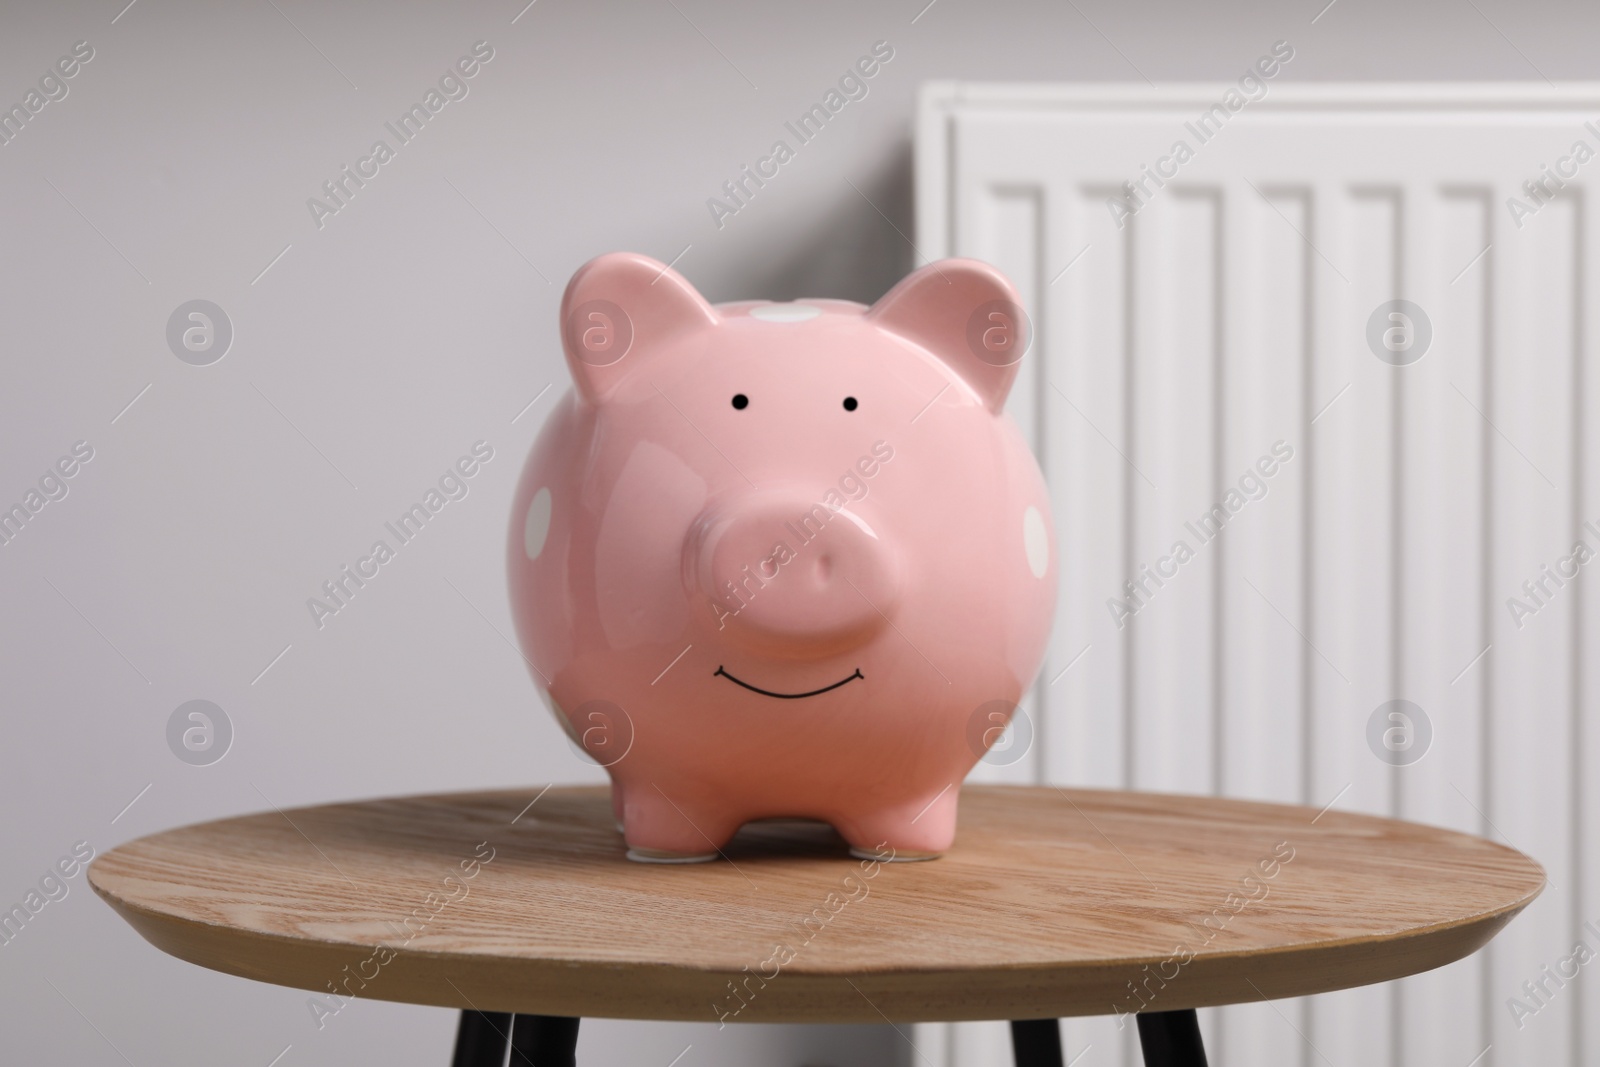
{"x":1052,"y":902}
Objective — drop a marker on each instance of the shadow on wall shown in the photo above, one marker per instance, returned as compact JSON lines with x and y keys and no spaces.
{"x":742,"y":1044}
{"x":851,"y":252}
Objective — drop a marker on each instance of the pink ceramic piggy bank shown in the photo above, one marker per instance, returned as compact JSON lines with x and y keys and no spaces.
{"x":784,"y":559}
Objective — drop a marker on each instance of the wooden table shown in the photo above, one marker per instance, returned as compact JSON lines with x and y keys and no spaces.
{"x":519,"y":908}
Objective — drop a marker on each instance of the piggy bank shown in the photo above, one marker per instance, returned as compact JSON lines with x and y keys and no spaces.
{"x":784,"y":559}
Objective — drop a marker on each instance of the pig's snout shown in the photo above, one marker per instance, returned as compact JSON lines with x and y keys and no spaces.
{"x":789,"y":577}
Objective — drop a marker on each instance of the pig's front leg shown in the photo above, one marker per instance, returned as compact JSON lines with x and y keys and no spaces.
{"x":922,"y":828}
{"x":672,"y":829}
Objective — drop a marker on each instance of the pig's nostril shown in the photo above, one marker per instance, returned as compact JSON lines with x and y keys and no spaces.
{"x":824,"y":567}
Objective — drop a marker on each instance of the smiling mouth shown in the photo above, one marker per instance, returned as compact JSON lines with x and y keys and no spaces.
{"x":792,"y":696}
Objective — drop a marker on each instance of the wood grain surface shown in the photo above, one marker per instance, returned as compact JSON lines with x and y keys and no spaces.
{"x":1052,"y":902}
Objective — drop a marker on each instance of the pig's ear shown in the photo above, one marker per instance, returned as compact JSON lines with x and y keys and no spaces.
{"x":966,"y":313}
{"x":619,"y":310}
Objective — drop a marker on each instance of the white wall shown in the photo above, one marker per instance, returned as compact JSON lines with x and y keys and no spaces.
{"x":376,"y":350}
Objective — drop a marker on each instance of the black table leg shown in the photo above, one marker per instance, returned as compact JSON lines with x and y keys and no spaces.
{"x":544,"y":1041}
{"x":1171,"y":1039}
{"x":482,"y":1038}
{"x":1036,"y":1042}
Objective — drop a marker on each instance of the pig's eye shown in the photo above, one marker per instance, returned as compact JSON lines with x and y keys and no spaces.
{"x":850,"y":403}
{"x":740,"y":401}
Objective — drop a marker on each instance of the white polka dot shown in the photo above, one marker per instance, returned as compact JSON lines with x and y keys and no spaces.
{"x":785,"y":312}
{"x":1035,"y":541}
{"x":537,"y":526}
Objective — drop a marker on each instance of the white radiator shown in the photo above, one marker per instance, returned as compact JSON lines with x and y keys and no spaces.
{"x":1222,"y":311}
